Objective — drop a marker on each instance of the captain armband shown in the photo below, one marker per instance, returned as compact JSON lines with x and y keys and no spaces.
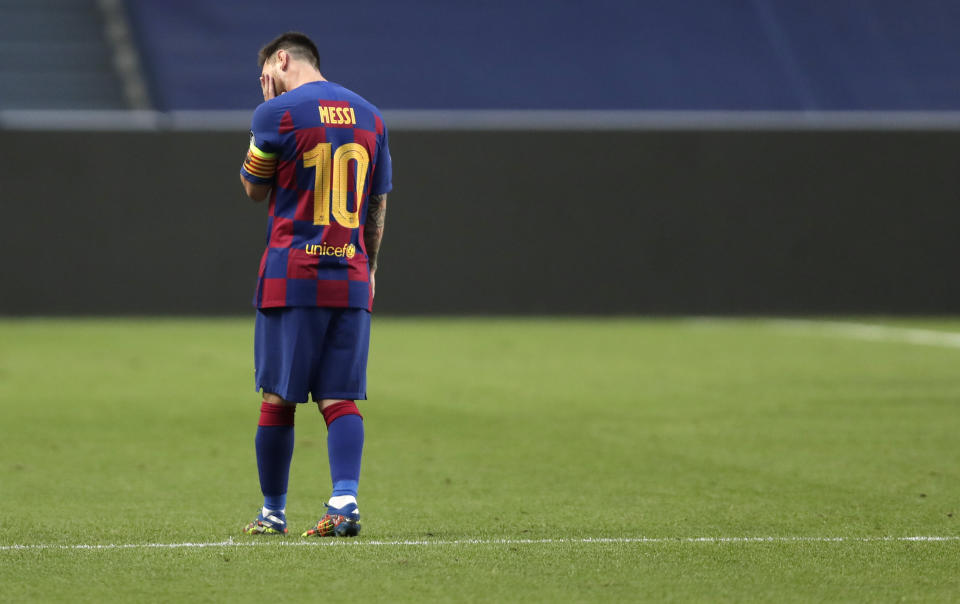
{"x":260,"y":163}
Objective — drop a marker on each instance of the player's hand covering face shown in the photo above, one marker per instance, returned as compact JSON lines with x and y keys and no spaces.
{"x":267,"y":85}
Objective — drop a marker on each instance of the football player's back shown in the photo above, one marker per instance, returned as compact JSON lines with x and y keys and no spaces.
{"x":329,"y":144}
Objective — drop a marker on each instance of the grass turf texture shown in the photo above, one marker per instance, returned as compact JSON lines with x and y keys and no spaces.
{"x":141,"y":431}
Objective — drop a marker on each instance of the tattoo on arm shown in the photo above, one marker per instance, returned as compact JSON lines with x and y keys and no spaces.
{"x":373,"y":230}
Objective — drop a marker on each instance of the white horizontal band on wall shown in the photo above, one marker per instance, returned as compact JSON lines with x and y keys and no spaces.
{"x":521,"y":119}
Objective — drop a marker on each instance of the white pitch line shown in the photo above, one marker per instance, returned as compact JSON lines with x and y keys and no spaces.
{"x":872,"y":332}
{"x":457,"y":542}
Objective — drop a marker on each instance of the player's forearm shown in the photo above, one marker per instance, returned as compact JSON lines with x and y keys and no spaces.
{"x":255,"y":191}
{"x":373,"y":230}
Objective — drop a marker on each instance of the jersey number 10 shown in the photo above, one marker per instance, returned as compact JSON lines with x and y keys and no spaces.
{"x":331,"y":176}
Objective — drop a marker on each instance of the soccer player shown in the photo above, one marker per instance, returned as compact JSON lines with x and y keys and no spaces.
{"x":319,"y":152}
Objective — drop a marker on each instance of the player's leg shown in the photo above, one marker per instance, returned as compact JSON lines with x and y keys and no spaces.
{"x":278,"y":374}
{"x":274,"y":447}
{"x":345,"y":437}
{"x":344,"y":449}
{"x":343,"y":381}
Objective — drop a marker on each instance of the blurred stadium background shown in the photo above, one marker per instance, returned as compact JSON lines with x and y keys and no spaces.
{"x":551,"y":157}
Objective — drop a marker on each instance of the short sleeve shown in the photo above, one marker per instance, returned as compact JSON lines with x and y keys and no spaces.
{"x":383,"y":172}
{"x":260,"y":163}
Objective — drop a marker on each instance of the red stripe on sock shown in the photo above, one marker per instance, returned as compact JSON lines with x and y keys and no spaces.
{"x":276,"y":415}
{"x":339,"y":410}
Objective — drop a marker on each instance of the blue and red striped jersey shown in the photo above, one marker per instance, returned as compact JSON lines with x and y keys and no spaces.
{"x":324,"y":150}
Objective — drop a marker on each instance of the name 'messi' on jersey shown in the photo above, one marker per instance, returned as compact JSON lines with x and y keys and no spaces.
{"x":339,"y":116}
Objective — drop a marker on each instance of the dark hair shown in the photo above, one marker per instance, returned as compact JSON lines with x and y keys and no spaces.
{"x":294,"y":42}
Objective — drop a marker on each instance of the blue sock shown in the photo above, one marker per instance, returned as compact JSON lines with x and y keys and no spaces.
{"x":274,"y":443}
{"x":344,"y":449}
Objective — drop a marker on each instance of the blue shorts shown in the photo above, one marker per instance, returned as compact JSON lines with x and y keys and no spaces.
{"x":312,"y":350}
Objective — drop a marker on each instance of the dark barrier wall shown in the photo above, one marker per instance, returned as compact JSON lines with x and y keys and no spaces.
{"x":506,"y":222}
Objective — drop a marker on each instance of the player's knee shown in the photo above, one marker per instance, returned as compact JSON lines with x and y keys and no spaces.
{"x":274,"y":399}
{"x":327,"y":402}
{"x":336,"y":408}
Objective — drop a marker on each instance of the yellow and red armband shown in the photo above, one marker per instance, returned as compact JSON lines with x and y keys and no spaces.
{"x":259,"y":166}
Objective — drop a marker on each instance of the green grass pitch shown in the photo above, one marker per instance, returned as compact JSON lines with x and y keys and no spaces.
{"x":496,"y":449}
